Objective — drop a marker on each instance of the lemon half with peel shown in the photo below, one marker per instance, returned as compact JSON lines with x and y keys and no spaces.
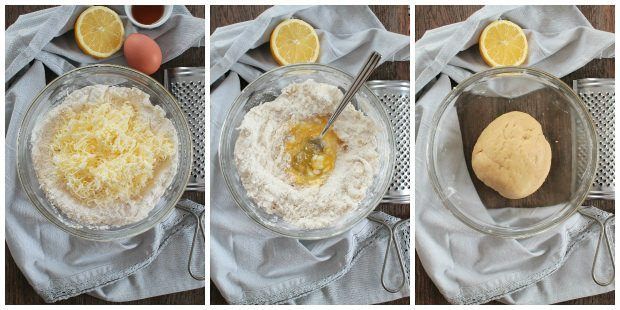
{"x":503,"y":43}
{"x":99,"y":32}
{"x":294,"y":41}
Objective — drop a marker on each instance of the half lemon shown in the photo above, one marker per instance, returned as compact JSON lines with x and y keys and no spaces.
{"x":99,"y":32}
{"x":294,"y":41}
{"x":503,"y":43}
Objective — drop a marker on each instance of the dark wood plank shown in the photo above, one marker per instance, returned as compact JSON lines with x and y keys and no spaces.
{"x":394,"y":18}
{"x":12,"y":12}
{"x":430,"y":17}
{"x":18,"y":290}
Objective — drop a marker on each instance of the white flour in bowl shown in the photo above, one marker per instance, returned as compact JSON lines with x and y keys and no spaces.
{"x":105,"y":156}
{"x":263,"y":163}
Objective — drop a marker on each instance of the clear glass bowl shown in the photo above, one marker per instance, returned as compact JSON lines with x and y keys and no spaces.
{"x":266,"y":88}
{"x":469,"y":108}
{"x":52,"y":95}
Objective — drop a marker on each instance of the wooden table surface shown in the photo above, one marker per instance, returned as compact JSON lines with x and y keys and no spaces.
{"x":394,"y":18}
{"x":430,"y":17}
{"x":18,"y":290}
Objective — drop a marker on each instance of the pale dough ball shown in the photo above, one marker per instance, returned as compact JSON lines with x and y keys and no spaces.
{"x":512,"y":155}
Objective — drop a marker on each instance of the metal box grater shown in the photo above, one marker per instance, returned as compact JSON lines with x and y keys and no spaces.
{"x":187,"y":85}
{"x":599,"y":97}
{"x":395,"y":97}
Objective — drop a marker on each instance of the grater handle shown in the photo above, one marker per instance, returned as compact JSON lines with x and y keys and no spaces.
{"x":603,"y":235}
{"x":199,"y":227}
{"x":392,"y":240}
{"x":186,"y":205}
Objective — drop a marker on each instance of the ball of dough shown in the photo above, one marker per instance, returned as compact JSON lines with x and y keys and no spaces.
{"x":512,"y":155}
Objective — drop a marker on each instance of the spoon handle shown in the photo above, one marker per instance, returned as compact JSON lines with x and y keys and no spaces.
{"x":360,"y":79}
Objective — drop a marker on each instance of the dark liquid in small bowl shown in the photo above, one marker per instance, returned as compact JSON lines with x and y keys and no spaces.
{"x":147,"y":14}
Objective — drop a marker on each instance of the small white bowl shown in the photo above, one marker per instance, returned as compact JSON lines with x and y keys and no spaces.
{"x":161,"y":21}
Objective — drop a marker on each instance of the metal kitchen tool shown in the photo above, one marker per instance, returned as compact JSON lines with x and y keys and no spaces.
{"x":358,"y":82}
{"x":599,"y":97}
{"x":187,"y":85}
{"x":603,"y":235}
{"x":395,"y":97}
{"x":198,"y":212}
{"x":392,"y":229}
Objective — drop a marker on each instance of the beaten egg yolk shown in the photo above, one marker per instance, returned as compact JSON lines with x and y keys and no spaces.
{"x":309,"y":164}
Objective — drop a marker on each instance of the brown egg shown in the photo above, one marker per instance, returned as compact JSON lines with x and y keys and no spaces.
{"x":142,"y":53}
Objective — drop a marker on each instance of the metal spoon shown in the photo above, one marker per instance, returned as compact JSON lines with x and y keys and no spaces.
{"x":360,"y":79}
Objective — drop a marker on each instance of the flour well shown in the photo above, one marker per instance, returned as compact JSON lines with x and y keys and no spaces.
{"x":263,"y":163}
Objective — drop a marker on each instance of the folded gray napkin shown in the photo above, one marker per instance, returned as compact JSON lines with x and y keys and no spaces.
{"x":560,"y":41}
{"x":250,"y":264}
{"x":47,"y":36}
{"x":467,"y":266}
{"x":56,"y":264}
{"x":345,"y":42}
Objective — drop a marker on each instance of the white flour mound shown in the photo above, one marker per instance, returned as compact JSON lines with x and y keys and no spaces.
{"x":106,"y":215}
{"x":262,"y":161}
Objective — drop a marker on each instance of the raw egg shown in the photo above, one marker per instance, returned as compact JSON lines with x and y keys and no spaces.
{"x":142,"y":53}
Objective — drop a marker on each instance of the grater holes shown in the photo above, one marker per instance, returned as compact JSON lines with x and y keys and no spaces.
{"x":191,"y":99}
{"x":600,"y":104}
{"x":398,"y":110}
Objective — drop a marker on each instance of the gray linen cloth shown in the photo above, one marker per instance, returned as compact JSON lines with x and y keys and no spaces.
{"x":560,"y":41}
{"x":252,"y":265}
{"x":56,"y":264}
{"x":469,"y":267}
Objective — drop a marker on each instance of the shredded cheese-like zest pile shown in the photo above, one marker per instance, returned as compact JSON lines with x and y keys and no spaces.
{"x":107,"y":153}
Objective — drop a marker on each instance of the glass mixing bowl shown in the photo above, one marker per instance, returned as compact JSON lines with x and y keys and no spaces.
{"x":52,"y":95}
{"x":266,"y":88}
{"x":469,"y":108}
